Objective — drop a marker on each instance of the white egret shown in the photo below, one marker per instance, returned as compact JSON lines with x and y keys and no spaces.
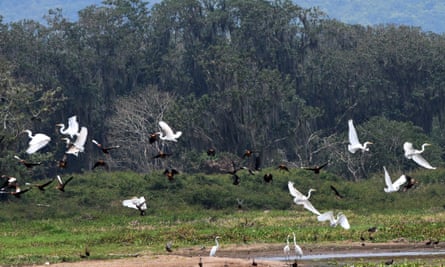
{"x":390,"y":186}
{"x":73,"y":127}
{"x":414,"y":154}
{"x":167,"y":132}
{"x":354,"y":143}
{"x":37,"y":141}
{"x":138,"y":203}
{"x":286,"y":249}
{"x":334,"y":221}
{"x":78,"y":145}
{"x":298,"y":250}
{"x":215,"y":247}
{"x":301,"y":199}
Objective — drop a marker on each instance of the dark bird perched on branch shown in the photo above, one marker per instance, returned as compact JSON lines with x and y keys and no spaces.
{"x":104,"y":149}
{"x":27,"y":164}
{"x":316,"y":169}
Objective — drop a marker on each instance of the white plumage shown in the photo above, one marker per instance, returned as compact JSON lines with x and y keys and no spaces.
{"x":414,"y":154}
{"x":215,"y":247}
{"x":301,"y":199}
{"x":167,"y":132}
{"x":286,"y":248}
{"x":354,"y":143}
{"x":73,"y":127}
{"x":37,"y":141}
{"x":78,"y":145}
{"x":334,"y":221}
{"x":390,"y":186}
{"x":135,"y":203}
{"x":298,"y":250}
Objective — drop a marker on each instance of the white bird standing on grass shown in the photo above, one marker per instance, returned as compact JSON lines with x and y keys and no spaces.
{"x":390,"y":186}
{"x":167,"y":132}
{"x":73,"y":127}
{"x":298,"y":250}
{"x":354,"y":143}
{"x":334,"y":221}
{"x":215,"y":247}
{"x":414,"y":154}
{"x":301,"y":199}
{"x":37,"y":141}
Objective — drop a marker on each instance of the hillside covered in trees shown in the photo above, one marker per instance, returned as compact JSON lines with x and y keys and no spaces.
{"x":265,"y":75}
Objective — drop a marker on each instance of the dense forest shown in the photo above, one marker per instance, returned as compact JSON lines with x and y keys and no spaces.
{"x":231,"y":74}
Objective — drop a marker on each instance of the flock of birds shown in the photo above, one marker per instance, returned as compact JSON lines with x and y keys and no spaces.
{"x":76,"y":138}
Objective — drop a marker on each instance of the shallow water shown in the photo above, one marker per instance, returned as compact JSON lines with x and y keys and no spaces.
{"x":386,"y":254}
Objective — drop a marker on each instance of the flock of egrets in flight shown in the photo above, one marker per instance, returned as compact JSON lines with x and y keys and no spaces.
{"x":76,"y":138}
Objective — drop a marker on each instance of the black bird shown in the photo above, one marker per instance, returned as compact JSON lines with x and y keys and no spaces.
{"x":211,"y":152}
{"x":61,"y":184}
{"x":17,"y":192}
{"x":27,"y":164}
{"x":161,"y":155}
{"x":236,"y":179}
{"x":63,"y":162}
{"x":104,"y":149}
{"x":170,"y":173}
{"x":337,"y":194}
{"x":153,"y":137}
{"x":283,"y":167}
{"x":268,"y":177}
{"x":100,"y":163}
{"x":389,"y":262}
{"x":248,"y":153}
{"x":41,"y":187}
{"x":316,"y":169}
{"x":411,"y":183}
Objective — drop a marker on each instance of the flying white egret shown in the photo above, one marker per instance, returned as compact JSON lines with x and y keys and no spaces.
{"x":37,"y":141}
{"x":136,"y":203}
{"x":390,"y":186}
{"x":354,"y":143}
{"x":73,"y":127}
{"x":414,"y":154}
{"x":334,"y":221}
{"x":78,"y":145}
{"x":215,"y":247}
{"x":298,"y":250}
{"x":167,"y":132}
{"x":286,"y":248}
{"x":301,"y":199}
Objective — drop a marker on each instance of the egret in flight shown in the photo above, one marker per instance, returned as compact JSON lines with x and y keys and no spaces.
{"x":136,"y":203}
{"x":390,"y":186}
{"x":301,"y":199}
{"x":37,"y":141}
{"x":334,"y":221}
{"x":167,"y":132}
{"x":354,"y":143}
{"x":78,"y":145}
{"x":215,"y":247}
{"x":414,"y":154}
{"x":73,"y":127}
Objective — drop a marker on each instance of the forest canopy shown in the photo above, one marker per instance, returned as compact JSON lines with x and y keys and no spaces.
{"x":230,"y":74}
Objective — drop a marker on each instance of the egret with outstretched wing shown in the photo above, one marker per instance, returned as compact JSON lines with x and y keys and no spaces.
{"x":354,"y":143}
{"x":334,"y":221}
{"x":301,"y":199}
{"x":414,"y":154}
{"x":167,"y":132}
{"x":37,"y":141}
{"x":390,"y":186}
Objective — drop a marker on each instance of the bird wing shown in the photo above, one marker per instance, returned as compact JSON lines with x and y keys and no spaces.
{"x":343,"y":221}
{"x":335,"y":190}
{"x":399,"y":182}
{"x":409,"y":150}
{"x":129,"y":203}
{"x":294,"y":192}
{"x":81,"y":138}
{"x":422,"y":162}
{"x":166,"y":129}
{"x":327,"y":216}
{"x":307,"y":205}
{"x":353,"y":137}
{"x":37,"y":142}
{"x":59,"y":180}
{"x":388,"y":181}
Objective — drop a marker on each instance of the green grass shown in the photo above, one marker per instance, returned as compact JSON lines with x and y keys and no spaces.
{"x":195,"y":208}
